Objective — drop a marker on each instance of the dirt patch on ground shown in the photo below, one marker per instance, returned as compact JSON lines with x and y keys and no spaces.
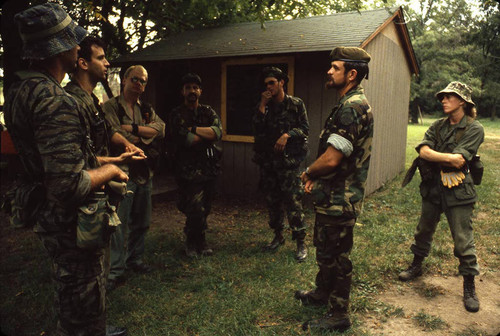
{"x":440,"y":297}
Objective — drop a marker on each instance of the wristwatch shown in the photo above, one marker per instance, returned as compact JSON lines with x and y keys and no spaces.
{"x":307,"y":172}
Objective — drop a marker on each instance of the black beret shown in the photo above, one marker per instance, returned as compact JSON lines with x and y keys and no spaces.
{"x":191,"y":78}
{"x":274,"y":72}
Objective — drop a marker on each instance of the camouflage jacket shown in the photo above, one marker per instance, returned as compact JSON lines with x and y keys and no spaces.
{"x":47,"y":131}
{"x":441,"y":137}
{"x":341,"y":193}
{"x":195,"y":162}
{"x":289,"y":116}
{"x":97,"y":126}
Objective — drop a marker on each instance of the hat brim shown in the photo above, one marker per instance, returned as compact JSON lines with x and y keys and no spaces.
{"x":440,"y":94}
{"x":63,"y":41}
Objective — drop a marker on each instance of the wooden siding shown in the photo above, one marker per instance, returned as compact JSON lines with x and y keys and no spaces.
{"x":387,"y":89}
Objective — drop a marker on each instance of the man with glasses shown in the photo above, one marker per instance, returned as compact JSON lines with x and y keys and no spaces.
{"x":281,"y":128}
{"x":140,"y":125}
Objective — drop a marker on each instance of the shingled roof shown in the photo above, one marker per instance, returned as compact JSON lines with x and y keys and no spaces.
{"x":317,"y":33}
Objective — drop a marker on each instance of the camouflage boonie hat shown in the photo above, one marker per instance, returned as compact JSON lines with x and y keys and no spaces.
{"x":275,"y":72}
{"x":47,"y":30}
{"x":350,"y":54}
{"x":464,"y":91}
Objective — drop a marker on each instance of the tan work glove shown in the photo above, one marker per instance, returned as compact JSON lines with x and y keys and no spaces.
{"x":452,"y":179}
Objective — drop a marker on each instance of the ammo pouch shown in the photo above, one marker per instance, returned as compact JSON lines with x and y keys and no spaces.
{"x":22,"y":203}
{"x":97,"y":220}
{"x":476,"y":169}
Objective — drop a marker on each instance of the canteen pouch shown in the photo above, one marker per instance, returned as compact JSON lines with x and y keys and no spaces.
{"x":476,"y":169}
{"x":97,"y":220}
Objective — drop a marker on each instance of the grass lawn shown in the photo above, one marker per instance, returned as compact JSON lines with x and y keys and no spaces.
{"x":241,"y":290}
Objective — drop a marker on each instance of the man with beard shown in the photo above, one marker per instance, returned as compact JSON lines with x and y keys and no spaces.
{"x":281,"y":128}
{"x":337,"y":182}
{"x":140,"y":125}
{"x":59,"y":169}
{"x":195,"y":128}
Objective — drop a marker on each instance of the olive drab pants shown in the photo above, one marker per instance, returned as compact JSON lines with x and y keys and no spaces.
{"x":333,"y":244}
{"x":283,"y":193}
{"x":79,"y":285}
{"x":460,"y":223}
{"x":127,"y":242}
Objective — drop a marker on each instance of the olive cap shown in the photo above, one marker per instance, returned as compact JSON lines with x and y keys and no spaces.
{"x":350,"y":54}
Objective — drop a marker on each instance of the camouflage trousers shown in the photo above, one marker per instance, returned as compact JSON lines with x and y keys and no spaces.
{"x":283,"y":193}
{"x":79,"y":285}
{"x":460,"y":223}
{"x":195,"y":201}
{"x":333,"y":242}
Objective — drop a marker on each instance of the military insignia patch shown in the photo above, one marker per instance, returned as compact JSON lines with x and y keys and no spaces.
{"x":346,"y":119}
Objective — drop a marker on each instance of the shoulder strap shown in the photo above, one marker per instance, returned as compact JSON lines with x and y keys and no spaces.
{"x":460,"y":133}
{"x":120,"y":112}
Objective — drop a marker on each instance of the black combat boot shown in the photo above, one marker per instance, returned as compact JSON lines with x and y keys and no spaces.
{"x":277,"y":241}
{"x":471,"y":302}
{"x":301,"y":253}
{"x":191,"y":251}
{"x":115,"y":331}
{"x":414,"y":271}
{"x":312,"y":298}
{"x":332,"y":321}
{"x":202,"y":246}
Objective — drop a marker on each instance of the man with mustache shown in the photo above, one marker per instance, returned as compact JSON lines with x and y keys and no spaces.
{"x":337,"y":182}
{"x":281,"y":128}
{"x":195,"y":128}
{"x":139,"y":124}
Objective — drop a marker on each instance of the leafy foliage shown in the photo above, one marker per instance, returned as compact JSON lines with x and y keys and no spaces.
{"x":454,"y":40}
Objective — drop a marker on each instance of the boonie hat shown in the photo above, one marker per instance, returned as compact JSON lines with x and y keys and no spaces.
{"x":350,"y":54}
{"x":47,"y":30}
{"x":275,"y":72}
{"x":464,"y":91}
{"x":191,"y":78}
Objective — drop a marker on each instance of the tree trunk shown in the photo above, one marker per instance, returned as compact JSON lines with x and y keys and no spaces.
{"x":12,"y":44}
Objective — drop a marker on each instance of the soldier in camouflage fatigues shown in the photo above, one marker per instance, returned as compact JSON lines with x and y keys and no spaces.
{"x":49,"y":135}
{"x":281,"y":128}
{"x":194,"y":129}
{"x":449,"y":148}
{"x":338,"y":193}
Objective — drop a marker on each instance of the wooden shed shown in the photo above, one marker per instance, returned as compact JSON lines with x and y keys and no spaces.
{"x":229,"y":60}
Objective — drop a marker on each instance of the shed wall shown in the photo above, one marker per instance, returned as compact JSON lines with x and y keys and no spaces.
{"x":387,"y":89}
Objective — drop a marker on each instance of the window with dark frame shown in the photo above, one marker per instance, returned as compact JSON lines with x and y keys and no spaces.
{"x":242,"y":87}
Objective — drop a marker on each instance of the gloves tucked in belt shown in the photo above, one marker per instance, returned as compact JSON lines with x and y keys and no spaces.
{"x":452,"y":179}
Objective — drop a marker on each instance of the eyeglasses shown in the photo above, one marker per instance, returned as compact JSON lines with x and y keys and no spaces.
{"x":137,"y":79}
{"x":271,"y":82}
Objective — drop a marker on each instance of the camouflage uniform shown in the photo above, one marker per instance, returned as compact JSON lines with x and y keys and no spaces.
{"x":279,"y":171}
{"x":97,"y":126}
{"x":458,"y":202}
{"x":338,"y":197}
{"x":134,"y":211}
{"x":46,"y":128}
{"x":196,"y":166}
